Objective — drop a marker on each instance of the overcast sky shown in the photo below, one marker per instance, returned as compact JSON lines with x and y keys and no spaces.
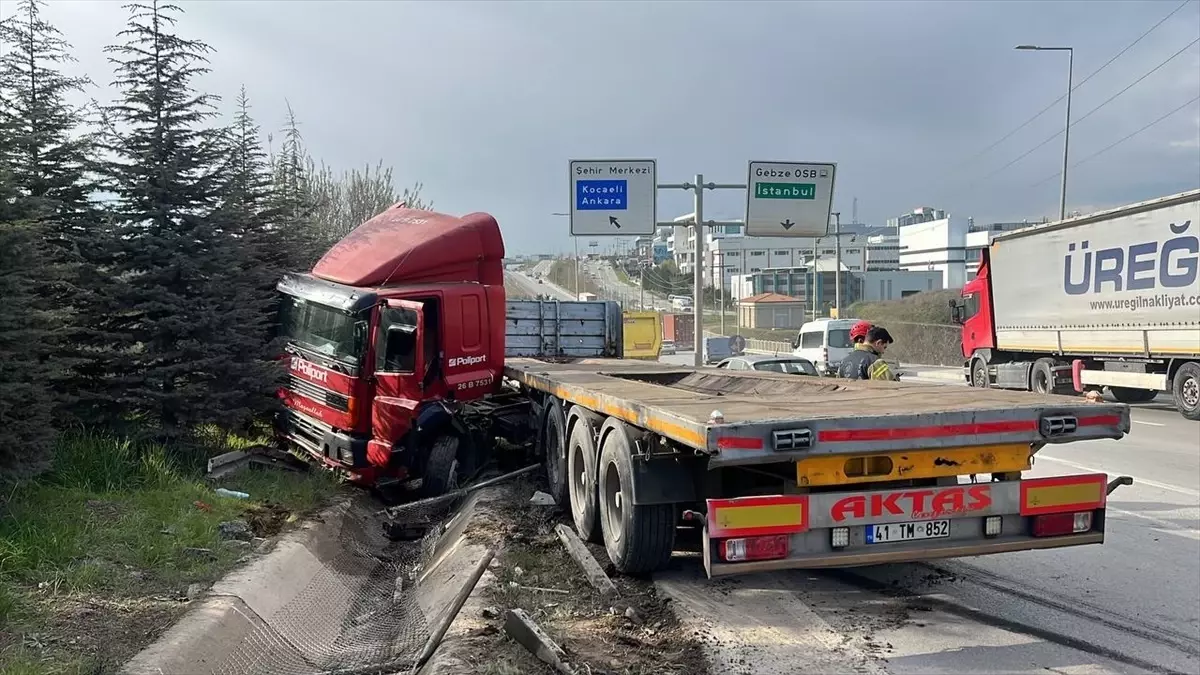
{"x":485,"y":103}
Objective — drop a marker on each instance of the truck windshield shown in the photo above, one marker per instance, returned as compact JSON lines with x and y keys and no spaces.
{"x":324,"y":330}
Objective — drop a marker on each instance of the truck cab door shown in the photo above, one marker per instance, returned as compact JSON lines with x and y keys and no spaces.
{"x":399,"y":365}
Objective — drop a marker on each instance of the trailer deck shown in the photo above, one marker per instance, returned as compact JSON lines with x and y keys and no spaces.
{"x":772,"y":417}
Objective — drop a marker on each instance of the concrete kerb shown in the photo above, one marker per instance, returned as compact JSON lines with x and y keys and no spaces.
{"x":240,"y":603}
{"x":455,"y":556}
{"x":248,"y":598}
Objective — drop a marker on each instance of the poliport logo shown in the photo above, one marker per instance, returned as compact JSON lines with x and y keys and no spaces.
{"x":458,"y":361}
{"x":309,"y":370}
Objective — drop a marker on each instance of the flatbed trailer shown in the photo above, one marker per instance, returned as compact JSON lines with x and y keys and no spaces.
{"x":783,"y":471}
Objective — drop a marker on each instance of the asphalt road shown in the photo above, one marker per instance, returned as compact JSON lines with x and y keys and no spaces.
{"x":1130,"y":605}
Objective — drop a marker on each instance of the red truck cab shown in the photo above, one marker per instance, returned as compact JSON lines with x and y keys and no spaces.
{"x":974,"y":314}
{"x":396,"y":324}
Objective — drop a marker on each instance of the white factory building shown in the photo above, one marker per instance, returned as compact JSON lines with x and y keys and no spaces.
{"x":950,"y":245}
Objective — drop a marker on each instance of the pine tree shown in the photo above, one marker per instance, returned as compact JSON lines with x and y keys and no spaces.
{"x":292,"y":197}
{"x":46,"y":155}
{"x":161,"y":314}
{"x":25,"y":402}
{"x":246,"y":383}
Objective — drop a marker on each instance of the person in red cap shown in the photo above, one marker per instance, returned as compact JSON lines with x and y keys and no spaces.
{"x":858,"y":332}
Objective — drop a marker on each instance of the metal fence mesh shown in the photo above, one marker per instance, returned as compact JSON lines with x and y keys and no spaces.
{"x":357,"y":614}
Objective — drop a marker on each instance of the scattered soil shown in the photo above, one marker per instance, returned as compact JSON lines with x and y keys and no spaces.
{"x":268,"y":519}
{"x":534,"y":573}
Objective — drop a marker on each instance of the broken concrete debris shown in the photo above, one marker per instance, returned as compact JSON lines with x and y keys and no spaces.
{"x":528,"y":634}
{"x":586,"y":561}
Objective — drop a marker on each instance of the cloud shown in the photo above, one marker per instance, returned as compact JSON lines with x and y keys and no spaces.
{"x":486,"y":102}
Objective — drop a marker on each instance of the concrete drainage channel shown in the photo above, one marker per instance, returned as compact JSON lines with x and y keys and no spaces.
{"x":336,"y":597}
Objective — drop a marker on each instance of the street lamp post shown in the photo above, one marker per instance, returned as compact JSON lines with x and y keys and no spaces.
{"x":1062,"y":197}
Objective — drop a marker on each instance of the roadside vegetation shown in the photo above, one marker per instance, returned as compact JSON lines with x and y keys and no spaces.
{"x":140,"y":241}
{"x":921,"y":326}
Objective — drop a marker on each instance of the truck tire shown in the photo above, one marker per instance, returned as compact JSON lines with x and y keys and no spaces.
{"x":979,"y":374}
{"x":581,"y":467}
{"x":1041,"y":377}
{"x":554,"y":449}
{"x":441,"y":469}
{"x":1128,"y":395}
{"x":1186,"y":388}
{"x":639,"y":538}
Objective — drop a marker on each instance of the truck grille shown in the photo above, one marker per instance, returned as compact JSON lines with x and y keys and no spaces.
{"x":317,"y":393}
{"x":792,"y":439}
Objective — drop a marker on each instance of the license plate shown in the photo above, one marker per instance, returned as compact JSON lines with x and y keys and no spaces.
{"x":922,"y":529}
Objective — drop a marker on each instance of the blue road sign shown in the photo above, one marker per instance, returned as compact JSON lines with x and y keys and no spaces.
{"x":601,"y":195}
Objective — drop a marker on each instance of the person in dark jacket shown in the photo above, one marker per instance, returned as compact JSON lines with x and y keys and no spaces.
{"x":866,"y":361}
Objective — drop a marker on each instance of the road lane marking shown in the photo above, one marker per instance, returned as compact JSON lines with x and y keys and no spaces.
{"x":1149,"y":424}
{"x":1136,"y":481}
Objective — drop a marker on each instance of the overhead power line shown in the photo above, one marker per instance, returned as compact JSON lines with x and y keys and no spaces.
{"x":1086,"y":115}
{"x":1058,"y":100}
{"x":1116,"y":143}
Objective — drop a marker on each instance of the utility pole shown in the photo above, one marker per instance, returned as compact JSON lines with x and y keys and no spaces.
{"x":1062,"y":195}
{"x":837,"y":263}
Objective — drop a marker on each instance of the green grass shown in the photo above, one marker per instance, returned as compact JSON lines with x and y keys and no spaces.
{"x":116,"y":520}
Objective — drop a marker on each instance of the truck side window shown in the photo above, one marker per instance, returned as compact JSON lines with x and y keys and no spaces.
{"x":812,"y":340}
{"x":399,"y":348}
{"x":971,"y":305}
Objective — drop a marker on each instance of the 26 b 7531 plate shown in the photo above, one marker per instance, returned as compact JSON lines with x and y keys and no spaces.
{"x":911,"y":531}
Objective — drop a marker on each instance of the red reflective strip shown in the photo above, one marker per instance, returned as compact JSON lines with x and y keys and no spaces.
{"x":1099,"y":421}
{"x":738,"y":443}
{"x":847,"y":435}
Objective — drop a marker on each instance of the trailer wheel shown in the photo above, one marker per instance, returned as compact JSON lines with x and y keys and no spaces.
{"x":1128,"y":395}
{"x":979,"y":374}
{"x":554,"y":443}
{"x":441,"y":469}
{"x":581,"y":467}
{"x":1186,"y":388}
{"x":639,"y":538}
{"x":1041,"y":377}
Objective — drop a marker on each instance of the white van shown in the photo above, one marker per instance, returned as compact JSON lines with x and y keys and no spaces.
{"x":825,"y":342}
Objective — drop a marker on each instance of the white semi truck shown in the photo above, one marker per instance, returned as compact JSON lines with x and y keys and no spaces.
{"x":1109,"y":300}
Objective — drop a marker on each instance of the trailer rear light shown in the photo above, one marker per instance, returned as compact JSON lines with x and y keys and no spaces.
{"x":1057,"y":524}
{"x":1059,"y":425}
{"x":771,"y":547}
{"x":791,"y":439}
{"x":991,"y":526}
{"x":839,"y":537}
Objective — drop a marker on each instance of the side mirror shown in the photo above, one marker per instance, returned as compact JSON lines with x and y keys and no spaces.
{"x":953,"y":303}
{"x":957,"y":315}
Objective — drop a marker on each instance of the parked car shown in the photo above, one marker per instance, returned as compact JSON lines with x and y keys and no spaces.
{"x":668,"y":348}
{"x":792,"y":365}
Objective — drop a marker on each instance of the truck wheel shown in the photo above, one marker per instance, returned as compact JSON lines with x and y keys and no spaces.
{"x":979,"y":374}
{"x":441,"y":469}
{"x":554,"y":447}
{"x":1186,"y":388}
{"x":1128,"y":395}
{"x":639,"y":539}
{"x":581,"y":467}
{"x":1041,"y":377}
